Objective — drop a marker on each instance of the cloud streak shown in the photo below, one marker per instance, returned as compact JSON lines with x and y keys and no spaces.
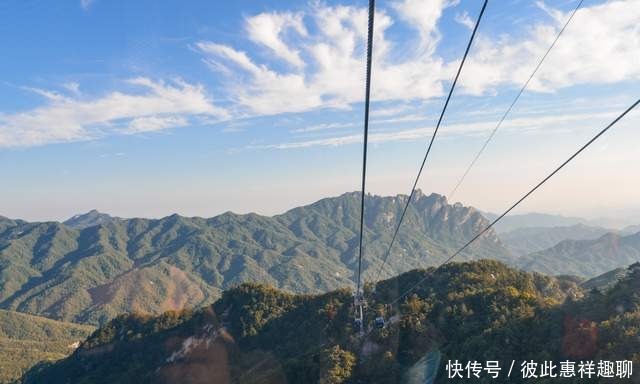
{"x":523,"y":125}
{"x":86,"y":4}
{"x":153,"y":106}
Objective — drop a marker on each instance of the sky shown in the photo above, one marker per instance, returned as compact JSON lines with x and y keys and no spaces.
{"x":146,"y":108}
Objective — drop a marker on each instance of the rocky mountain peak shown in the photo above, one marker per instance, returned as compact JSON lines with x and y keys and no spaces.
{"x":89,"y":219}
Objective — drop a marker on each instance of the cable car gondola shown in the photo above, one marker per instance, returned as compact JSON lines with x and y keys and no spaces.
{"x":357,"y":325}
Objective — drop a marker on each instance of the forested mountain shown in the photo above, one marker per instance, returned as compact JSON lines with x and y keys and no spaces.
{"x":26,"y":340}
{"x":585,"y":257}
{"x":605,"y":281}
{"x":475,"y":311}
{"x":100,"y":266}
{"x":5,"y":223}
{"x":522,"y":241}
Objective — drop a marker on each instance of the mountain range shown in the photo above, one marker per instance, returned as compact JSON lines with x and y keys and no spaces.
{"x":525,"y":240}
{"x":532,"y":220}
{"x":93,"y":267}
{"x":585,"y":257}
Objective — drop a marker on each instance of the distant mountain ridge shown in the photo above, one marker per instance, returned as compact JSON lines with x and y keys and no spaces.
{"x":94,"y":266}
{"x":532,"y":220}
{"x":522,"y":241}
{"x":605,"y":281}
{"x":630,"y":230}
{"x":585,"y":257}
{"x":89,"y":219}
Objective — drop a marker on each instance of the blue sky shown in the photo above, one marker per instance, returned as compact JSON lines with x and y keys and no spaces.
{"x":147,"y":108}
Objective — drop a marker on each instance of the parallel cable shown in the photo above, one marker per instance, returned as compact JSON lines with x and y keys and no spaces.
{"x":518,"y":202}
{"x":513,"y":103}
{"x":372,"y":6}
{"x":435,"y":132}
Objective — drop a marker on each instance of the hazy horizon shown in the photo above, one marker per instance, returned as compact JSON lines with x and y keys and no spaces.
{"x":614,"y":220}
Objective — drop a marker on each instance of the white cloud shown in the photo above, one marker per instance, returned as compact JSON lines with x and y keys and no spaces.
{"x":523,"y":125}
{"x":267,"y":29}
{"x":424,"y":16}
{"x":464,"y":19}
{"x":222,"y":51}
{"x":322,"y":127}
{"x":155,"y":123}
{"x":333,"y":142}
{"x":72,"y":87}
{"x":333,"y":74}
{"x":406,"y":118}
{"x":602,"y":45}
{"x":49,"y":95}
{"x":86,"y":4}
{"x":389,"y":111}
{"x":155,"y":105}
{"x":235,"y":126}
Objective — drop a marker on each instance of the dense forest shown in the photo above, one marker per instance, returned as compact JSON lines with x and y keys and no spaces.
{"x":474,"y":311}
{"x":25,"y":340}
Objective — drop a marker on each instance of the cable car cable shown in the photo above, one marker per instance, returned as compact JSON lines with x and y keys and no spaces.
{"x":513,"y":103}
{"x":372,"y":5}
{"x":520,"y":200}
{"x":435,"y":132}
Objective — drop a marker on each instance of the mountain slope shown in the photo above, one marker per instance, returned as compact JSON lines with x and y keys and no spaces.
{"x":89,"y":219}
{"x":528,"y":220}
{"x":585,"y":257}
{"x":523,"y":241}
{"x":630,"y":230}
{"x":475,"y":311}
{"x":605,"y":281}
{"x":93,"y":273}
{"x":26,"y":340}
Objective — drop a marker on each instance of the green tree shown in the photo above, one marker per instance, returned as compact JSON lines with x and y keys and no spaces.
{"x":336,"y":365}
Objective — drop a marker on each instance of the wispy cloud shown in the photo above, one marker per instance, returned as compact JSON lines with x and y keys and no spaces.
{"x":464,"y":19}
{"x":401,"y":119}
{"x":49,"y":95}
{"x":390,"y":111}
{"x":424,"y":16}
{"x":86,"y":4}
{"x":235,"y":126}
{"x":151,"y":106}
{"x":523,"y":125}
{"x":155,"y":123}
{"x":72,"y":87}
{"x":322,"y":127}
{"x":267,"y":29}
